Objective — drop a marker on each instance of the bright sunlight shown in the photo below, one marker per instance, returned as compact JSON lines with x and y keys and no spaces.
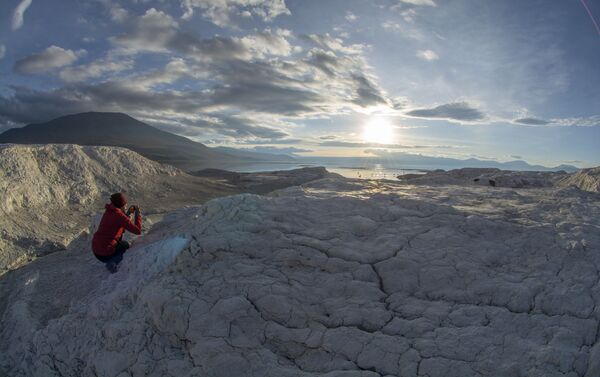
{"x":379,"y":130}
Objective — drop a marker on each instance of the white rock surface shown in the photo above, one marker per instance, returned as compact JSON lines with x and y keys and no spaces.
{"x":487,"y":177}
{"x":335,"y":278}
{"x":49,"y":192}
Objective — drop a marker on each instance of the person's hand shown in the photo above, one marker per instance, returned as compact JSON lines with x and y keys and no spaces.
{"x":138,"y":211}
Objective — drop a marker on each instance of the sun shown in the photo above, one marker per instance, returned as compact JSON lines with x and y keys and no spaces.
{"x":378,"y":131}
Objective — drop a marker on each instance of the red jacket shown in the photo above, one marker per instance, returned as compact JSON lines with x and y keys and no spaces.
{"x":113,"y":224}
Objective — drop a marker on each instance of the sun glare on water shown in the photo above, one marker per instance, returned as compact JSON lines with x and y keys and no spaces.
{"x":379,"y":131}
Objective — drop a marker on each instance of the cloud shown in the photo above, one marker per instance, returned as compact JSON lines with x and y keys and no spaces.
{"x":156,"y":31}
{"x":516,"y":156}
{"x":149,"y":33}
{"x":248,"y":88}
{"x":284,"y":141}
{"x":351,"y":17}
{"x":408,"y":9}
{"x":333,"y":44}
{"x":531,"y":121}
{"x":48,"y":60}
{"x":224,"y":12}
{"x":367,"y":92}
{"x":17,"y":18}
{"x":2,"y":51}
{"x":428,"y":55}
{"x":404,"y":30}
{"x":118,"y":13}
{"x":459,"y":111}
{"x":235,"y":127}
{"x":292,"y":151}
{"x":350,"y":144}
{"x":94,"y":69}
{"x":591,"y":121}
{"x":430,"y":3}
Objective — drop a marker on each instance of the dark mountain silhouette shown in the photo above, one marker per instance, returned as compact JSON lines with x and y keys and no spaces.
{"x":121,"y":130}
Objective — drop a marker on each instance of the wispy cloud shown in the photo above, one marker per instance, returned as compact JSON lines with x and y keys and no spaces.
{"x":430,"y":3}
{"x":428,"y":55}
{"x":19,"y":13}
{"x":590,"y":121}
{"x":2,"y":51}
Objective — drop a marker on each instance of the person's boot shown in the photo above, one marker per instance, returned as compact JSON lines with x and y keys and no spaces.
{"x":112,"y":267}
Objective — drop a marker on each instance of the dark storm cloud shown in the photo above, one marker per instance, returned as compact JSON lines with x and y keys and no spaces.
{"x":461,"y":111}
{"x":531,"y":121}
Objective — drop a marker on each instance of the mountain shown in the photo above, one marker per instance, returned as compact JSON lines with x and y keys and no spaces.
{"x":121,"y":130}
{"x":400,"y":160}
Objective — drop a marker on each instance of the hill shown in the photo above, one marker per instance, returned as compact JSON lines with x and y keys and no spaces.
{"x":48,"y":193}
{"x":121,"y":130}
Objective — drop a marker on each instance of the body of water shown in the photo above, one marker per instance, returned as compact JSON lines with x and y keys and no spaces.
{"x":375,"y":171}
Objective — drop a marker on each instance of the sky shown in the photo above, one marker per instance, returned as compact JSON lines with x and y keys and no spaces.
{"x":501,"y":80}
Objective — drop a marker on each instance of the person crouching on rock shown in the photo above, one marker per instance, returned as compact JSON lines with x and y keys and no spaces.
{"x":107,"y":243}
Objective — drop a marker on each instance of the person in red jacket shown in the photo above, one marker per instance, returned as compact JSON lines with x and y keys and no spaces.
{"x":107,"y":243}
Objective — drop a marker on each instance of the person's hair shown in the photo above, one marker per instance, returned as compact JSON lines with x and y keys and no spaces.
{"x":118,"y":199}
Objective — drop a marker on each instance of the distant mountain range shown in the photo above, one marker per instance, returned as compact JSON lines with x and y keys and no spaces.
{"x":399,"y":160}
{"x":121,"y":130}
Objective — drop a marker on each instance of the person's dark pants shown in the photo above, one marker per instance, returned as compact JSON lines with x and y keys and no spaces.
{"x":117,"y":257}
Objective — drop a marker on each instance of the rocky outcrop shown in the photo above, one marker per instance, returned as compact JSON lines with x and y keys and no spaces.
{"x":341,"y":278}
{"x":585,"y":179}
{"x":486,"y":177}
{"x":49,"y":192}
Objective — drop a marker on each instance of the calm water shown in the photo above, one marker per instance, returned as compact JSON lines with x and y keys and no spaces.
{"x":375,"y":171}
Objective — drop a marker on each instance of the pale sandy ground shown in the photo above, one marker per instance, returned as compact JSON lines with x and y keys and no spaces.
{"x":335,"y":277}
